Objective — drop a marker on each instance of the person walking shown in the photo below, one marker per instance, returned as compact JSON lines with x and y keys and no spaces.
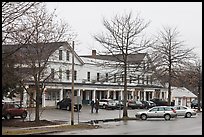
{"x":97,"y":105}
{"x":92,"y":106}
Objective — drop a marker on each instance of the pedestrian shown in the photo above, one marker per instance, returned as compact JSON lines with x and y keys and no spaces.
{"x":97,"y":105}
{"x":92,"y":105}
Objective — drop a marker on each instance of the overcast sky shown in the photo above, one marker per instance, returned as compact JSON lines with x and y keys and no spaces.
{"x":85,"y":18}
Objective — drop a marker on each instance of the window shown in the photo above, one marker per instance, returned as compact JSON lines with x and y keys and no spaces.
{"x":60,"y":74}
{"x":147,"y":80}
{"x":151,"y":80}
{"x":67,"y":55}
{"x":75,"y":75}
{"x":142,"y":79}
{"x":106,"y":77}
{"x":130,"y":79}
{"x":88,"y":76}
{"x":98,"y":74}
{"x":122,"y":78}
{"x":68,"y":73}
{"x":52,"y":73}
{"x":114,"y":78}
{"x":60,"y":54}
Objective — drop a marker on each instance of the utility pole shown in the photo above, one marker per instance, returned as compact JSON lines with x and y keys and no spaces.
{"x":72,"y":101}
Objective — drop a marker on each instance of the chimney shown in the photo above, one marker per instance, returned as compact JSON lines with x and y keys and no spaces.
{"x":94,"y":53}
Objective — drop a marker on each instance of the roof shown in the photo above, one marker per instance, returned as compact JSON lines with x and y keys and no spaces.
{"x":132,"y":58}
{"x":181,"y":92}
{"x":42,"y":50}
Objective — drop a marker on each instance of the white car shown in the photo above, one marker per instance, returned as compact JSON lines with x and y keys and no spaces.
{"x":107,"y":104}
{"x":185,"y":111}
{"x":166,"y":112}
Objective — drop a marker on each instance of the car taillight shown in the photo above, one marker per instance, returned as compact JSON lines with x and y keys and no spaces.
{"x":174,"y":110}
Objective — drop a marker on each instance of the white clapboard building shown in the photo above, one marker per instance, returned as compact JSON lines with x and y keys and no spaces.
{"x":95,"y":76}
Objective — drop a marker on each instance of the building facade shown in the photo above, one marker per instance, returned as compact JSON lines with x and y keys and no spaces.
{"x":95,"y":76}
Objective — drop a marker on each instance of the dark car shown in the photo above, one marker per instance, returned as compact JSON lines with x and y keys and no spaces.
{"x":135,"y":104}
{"x":66,"y":104}
{"x":11,"y":110}
{"x":148,"y":104}
{"x":159,"y":102}
{"x":194,"y":104}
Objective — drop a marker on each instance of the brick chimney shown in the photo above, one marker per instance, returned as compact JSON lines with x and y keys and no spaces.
{"x":94,"y":53}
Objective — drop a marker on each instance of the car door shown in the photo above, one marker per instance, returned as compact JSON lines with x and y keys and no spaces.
{"x":182,"y":111}
{"x":152,"y":113}
{"x":178,"y":110}
{"x":160,"y":112}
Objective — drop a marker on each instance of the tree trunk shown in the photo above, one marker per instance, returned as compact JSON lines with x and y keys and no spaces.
{"x":125,"y":113}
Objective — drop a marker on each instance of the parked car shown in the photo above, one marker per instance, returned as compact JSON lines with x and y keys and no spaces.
{"x":148,"y":104}
{"x":135,"y":104}
{"x":194,"y":104}
{"x":66,"y":104}
{"x":11,"y":110}
{"x":159,"y":102}
{"x":107,"y":104}
{"x":185,"y":111}
{"x":119,"y":104}
{"x":166,"y":112}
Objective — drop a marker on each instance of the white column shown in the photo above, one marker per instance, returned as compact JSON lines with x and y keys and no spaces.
{"x":121,"y":94}
{"x":132,"y":94}
{"x":100,"y":96}
{"x":138,"y":94}
{"x":78,"y":92}
{"x":108,"y":94}
{"x":25,"y":97}
{"x":114,"y":94}
{"x":94,"y":94}
{"x":61,"y":94}
{"x":144,"y":95}
{"x":43,"y":97}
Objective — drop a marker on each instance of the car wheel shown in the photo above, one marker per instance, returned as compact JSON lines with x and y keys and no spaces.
{"x":167,"y":117}
{"x":8,"y":116}
{"x":104,"y":106}
{"x":188,"y":115}
{"x":143,"y":117}
{"x":24,"y":115}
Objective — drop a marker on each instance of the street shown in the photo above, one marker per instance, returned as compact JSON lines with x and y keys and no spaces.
{"x":178,"y":126}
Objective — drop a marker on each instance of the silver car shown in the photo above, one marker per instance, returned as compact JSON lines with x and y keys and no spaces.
{"x":166,"y":112}
{"x":185,"y":111}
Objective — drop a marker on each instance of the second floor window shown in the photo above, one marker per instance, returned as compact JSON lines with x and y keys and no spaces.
{"x":106,"y":77}
{"x":75,"y":75}
{"x":114,"y":80}
{"x":52,"y":73}
{"x":67,"y":55}
{"x":60,"y":74}
{"x":88,"y":76}
{"x":98,"y":77}
{"x":130,"y":79}
{"x":68,"y":73}
{"x":147,"y":80}
{"x":60,"y":54}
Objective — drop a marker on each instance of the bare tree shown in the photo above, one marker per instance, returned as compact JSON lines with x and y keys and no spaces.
{"x":122,"y":38}
{"x":169,"y":56}
{"x":39,"y":30}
